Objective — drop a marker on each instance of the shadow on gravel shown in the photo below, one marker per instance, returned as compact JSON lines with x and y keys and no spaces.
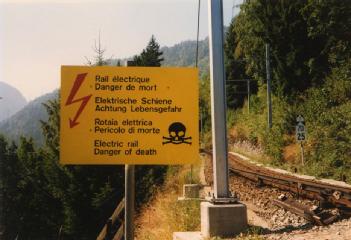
{"x":265,"y":231}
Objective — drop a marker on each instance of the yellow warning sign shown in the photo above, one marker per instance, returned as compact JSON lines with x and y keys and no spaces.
{"x":129,"y":115}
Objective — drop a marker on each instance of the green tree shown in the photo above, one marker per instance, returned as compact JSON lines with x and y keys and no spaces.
{"x":280,"y":24}
{"x":328,"y":28}
{"x":10,"y":194}
{"x":99,"y":58}
{"x":30,"y":210}
{"x":148,"y":177}
{"x":306,"y":38}
{"x":88,"y":194}
{"x":150,"y":56}
{"x":234,"y":69}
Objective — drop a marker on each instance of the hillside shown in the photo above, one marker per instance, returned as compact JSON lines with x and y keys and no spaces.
{"x":183,"y":54}
{"x":11,"y":101}
{"x":26,"y":122}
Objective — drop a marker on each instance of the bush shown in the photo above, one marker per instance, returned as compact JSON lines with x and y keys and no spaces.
{"x":328,"y":118}
{"x":253,"y":126}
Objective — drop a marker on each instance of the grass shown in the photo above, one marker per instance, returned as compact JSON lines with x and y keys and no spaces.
{"x":252,"y":233}
{"x":165,"y":214}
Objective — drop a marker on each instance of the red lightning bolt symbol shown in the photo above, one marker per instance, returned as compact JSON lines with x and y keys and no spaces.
{"x":70,"y":100}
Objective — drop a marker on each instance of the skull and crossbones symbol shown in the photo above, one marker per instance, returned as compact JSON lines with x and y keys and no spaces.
{"x":176,"y":133}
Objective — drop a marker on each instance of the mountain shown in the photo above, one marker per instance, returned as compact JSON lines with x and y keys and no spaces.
{"x":184,"y":54}
{"x":26,"y":122}
{"x":11,"y":100}
{"x":181,"y":55}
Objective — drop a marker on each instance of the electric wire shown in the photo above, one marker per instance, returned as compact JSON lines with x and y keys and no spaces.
{"x":197,"y":34}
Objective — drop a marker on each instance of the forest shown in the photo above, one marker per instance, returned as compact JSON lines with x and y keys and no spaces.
{"x":310,"y":52}
{"x":41,"y":199}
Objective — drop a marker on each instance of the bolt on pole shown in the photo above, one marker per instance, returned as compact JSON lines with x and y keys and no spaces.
{"x":218,"y":101}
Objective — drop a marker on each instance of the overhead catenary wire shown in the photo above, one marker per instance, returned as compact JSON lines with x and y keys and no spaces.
{"x":197,"y":33}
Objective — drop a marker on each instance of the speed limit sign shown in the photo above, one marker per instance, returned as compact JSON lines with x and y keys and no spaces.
{"x":300,"y":129}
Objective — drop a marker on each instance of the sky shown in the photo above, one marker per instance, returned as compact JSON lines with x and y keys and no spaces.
{"x":38,"y":36}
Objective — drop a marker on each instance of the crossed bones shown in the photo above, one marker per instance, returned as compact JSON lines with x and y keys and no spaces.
{"x":174,"y":141}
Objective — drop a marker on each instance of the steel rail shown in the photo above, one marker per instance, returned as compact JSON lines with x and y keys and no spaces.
{"x":325,"y":193}
{"x":312,"y":189}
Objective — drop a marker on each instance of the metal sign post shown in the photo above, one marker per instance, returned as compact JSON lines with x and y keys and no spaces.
{"x":301,"y":135}
{"x":248,"y":92}
{"x":218,"y":103}
{"x":302,"y":155}
{"x":129,"y":191}
{"x":269,"y":100}
{"x":248,"y":95}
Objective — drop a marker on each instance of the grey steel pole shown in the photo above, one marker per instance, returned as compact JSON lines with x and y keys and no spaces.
{"x":129,"y":190}
{"x":269,"y":101}
{"x":218,"y":101}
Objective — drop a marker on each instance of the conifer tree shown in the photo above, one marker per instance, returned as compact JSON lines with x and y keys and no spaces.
{"x":150,"y":56}
{"x":147,"y":177}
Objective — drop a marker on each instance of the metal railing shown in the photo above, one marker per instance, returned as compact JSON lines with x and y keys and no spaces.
{"x":107,"y":232}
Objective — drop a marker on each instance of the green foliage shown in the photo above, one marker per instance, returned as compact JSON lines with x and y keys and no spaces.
{"x":205,"y":103}
{"x":148,"y":177}
{"x":253,"y":126}
{"x":99,"y":58}
{"x":235,"y":70}
{"x":328,"y":25}
{"x":150,"y":56}
{"x":30,"y":210}
{"x":184,"y":53}
{"x":306,"y":39}
{"x":310,"y":61}
{"x":328,"y":114}
{"x":41,"y":197}
{"x":275,"y":22}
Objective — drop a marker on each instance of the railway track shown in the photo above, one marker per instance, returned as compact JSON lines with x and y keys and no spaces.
{"x":328,"y":193}
{"x":337,"y":193}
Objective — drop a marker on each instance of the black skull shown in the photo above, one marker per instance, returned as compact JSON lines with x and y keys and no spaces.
{"x":176,"y":133}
